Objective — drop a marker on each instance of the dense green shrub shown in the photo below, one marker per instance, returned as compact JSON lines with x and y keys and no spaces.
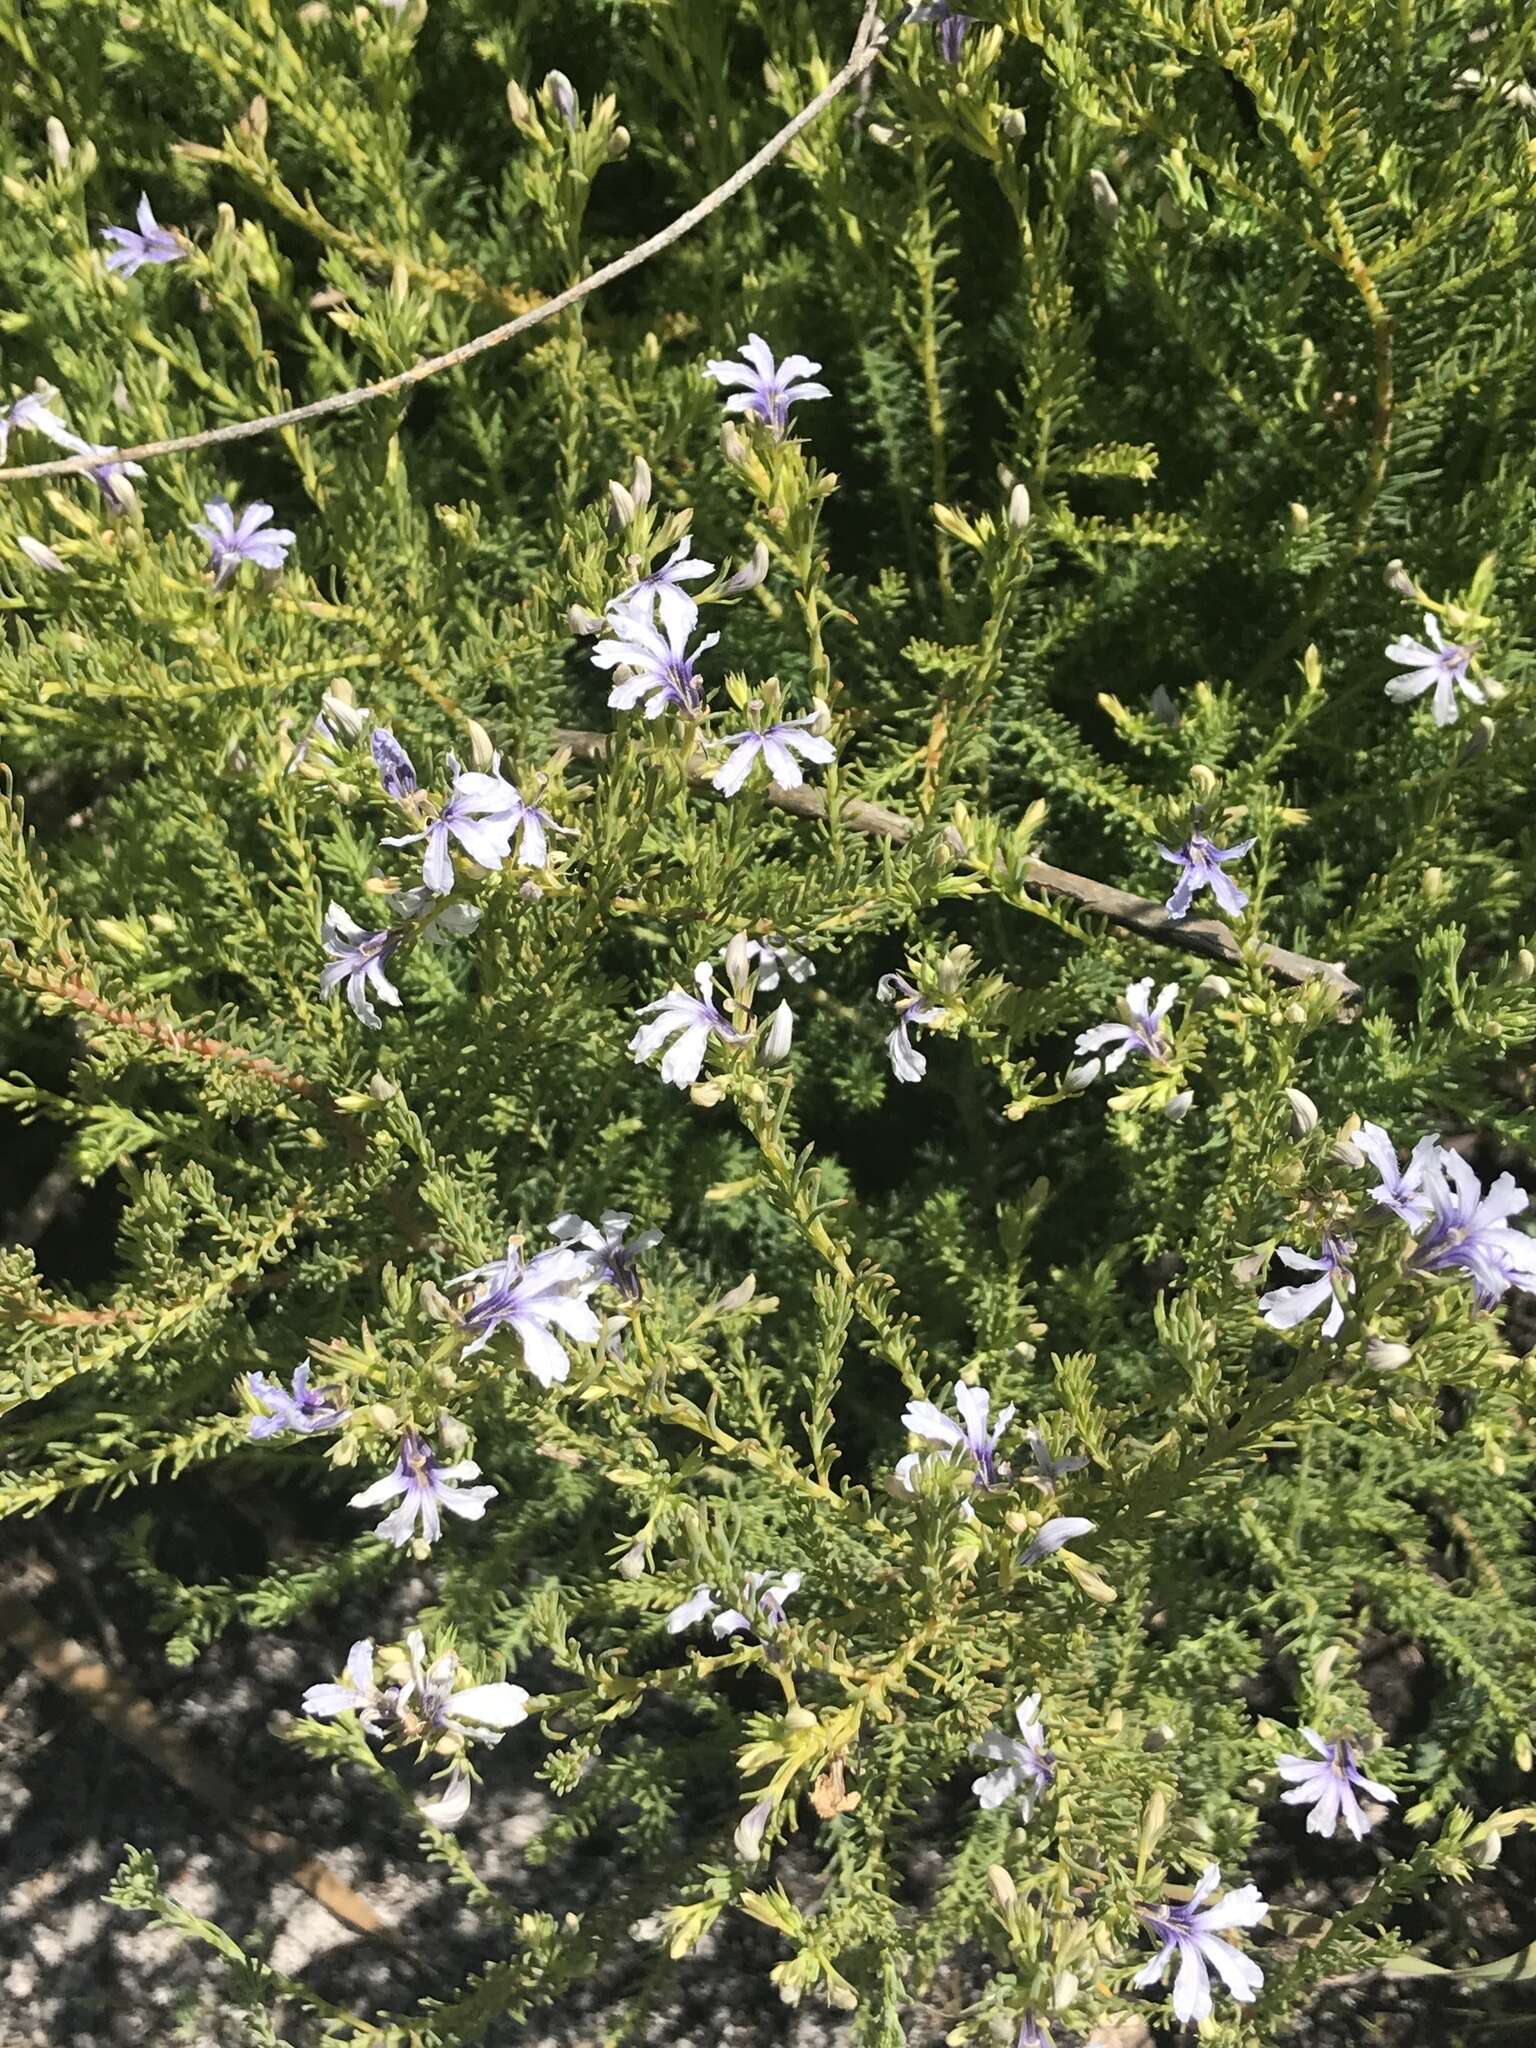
{"x":1179,"y":357}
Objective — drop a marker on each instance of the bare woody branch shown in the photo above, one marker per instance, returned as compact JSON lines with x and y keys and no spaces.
{"x":1137,"y":914}
{"x":868,"y":44}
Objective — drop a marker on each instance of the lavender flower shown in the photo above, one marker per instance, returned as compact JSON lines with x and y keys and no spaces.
{"x":762,"y":1596}
{"x":303,"y":1408}
{"x":1027,"y":1767}
{"x":1201,"y":862}
{"x":907,"y":1063}
{"x":768,"y":390}
{"x":659,"y":661}
{"x":1034,"y":2033}
{"x":396,"y":770}
{"x":698,"y":1607}
{"x":1193,"y":1934}
{"x":689,"y":1022}
{"x":1139,"y":1031}
{"x":778,"y":745}
{"x":971,"y":1437}
{"x":662,"y":592}
{"x":355,"y":1693}
{"x":773,"y":958}
{"x":34,"y":412}
{"x":609,"y":1257}
{"x":357,"y":958}
{"x":949,"y":27}
{"x":1469,"y":1231}
{"x":429,"y":1707}
{"x":1442,"y":667}
{"x":232,"y":542}
{"x":1054,"y":1535}
{"x":1328,"y":1783}
{"x":549,"y":1293}
{"x":1400,"y":1189}
{"x":426,"y":1488}
{"x":149,"y":243}
{"x":482,"y":813}
{"x":1048,"y":1468}
{"x":1284,"y":1307}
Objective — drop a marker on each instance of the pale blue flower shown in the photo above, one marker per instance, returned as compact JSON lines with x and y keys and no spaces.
{"x":1026,"y":1767}
{"x":773,"y":958}
{"x":768,"y":389}
{"x":357,"y":959}
{"x":1469,"y":1231}
{"x":688,"y":1022}
{"x":34,"y":413}
{"x":424,"y":1488}
{"x":1442,"y":667}
{"x":662,"y":592}
{"x":1139,"y":1030}
{"x":1284,"y":1307}
{"x":1048,"y":1468}
{"x":777,"y":745}
{"x":659,"y":663}
{"x":231,"y":541}
{"x":698,"y":1607}
{"x":1192,"y":1935}
{"x":148,"y":243}
{"x":907,"y":1063}
{"x":1054,"y":1535}
{"x":974,"y":1437}
{"x":610,"y":1256}
{"x":397,"y":772}
{"x":432,"y":1703}
{"x":301,"y":1408}
{"x":1328,"y":1783}
{"x":1202,"y":862}
{"x":1401,"y":1188}
{"x":535,"y":1299}
{"x":482,"y":813}
{"x":762,"y":1597}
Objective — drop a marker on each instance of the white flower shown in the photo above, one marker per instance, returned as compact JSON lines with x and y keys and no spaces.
{"x":1027,"y":1768}
{"x":1441,"y":667}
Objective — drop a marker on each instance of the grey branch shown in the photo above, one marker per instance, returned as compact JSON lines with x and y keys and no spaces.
{"x":1133,"y":913}
{"x":868,"y":44}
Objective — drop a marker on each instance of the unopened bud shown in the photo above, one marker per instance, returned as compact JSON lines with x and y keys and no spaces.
{"x":562,"y":96}
{"x":1019,"y":511}
{"x":1301,"y":518}
{"x":382,"y":1089}
{"x":732,"y":446}
{"x":519,"y":106}
{"x":433,"y":1303}
{"x":452,"y":1435}
{"x":1178,"y":1107}
{"x":1079,"y":1078}
{"x":618,"y":143}
{"x":1214,"y":989}
{"x":41,"y":556}
{"x":58,"y":141}
{"x":622,"y":507}
{"x":1434,"y":883}
{"x":1105,"y":198}
{"x":1486,"y":1849}
{"x":1004,"y":1890}
{"x":1164,"y":710}
{"x":1013,"y":125}
{"x":1157,"y":1738}
{"x":886,"y":135}
{"x":738,"y":960}
{"x":1303,"y":1113}
{"x":640,"y":489}
{"x":1478,"y":741}
{"x":1386,"y":1357}
{"x":583,"y":624}
{"x":750,"y":1830}
{"x":1205,"y":779}
{"x":773,"y":1046}
{"x":632,"y":1563}
{"x":1295,"y":1013}
{"x":751,"y":573}
{"x":481,"y":752}
{"x":1525,"y":963}
{"x":799,"y":1718}
{"x":1398,"y":579}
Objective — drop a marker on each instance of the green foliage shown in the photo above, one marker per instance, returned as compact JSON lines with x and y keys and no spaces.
{"x":1161,"y":337}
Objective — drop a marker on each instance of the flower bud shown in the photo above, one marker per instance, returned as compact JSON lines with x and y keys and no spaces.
{"x":1164,"y":710}
{"x":58,"y":141}
{"x":1105,"y":198}
{"x":618,"y":143}
{"x":622,"y":507}
{"x":1301,"y":518}
{"x":1079,"y":1078}
{"x":1205,"y":779}
{"x":773,"y":1045}
{"x":1385,"y":1357}
{"x":452,"y":1436}
{"x":519,"y":106}
{"x":1398,"y":579}
{"x":751,"y":1829}
{"x":562,"y":96}
{"x":632,"y":1563}
{"x":1295,"y":1013}
{"x":1478,"y":741}
{"x":732,"y":445}
{"x":751,"y":573}
{"x":1485,"y":1849}
{"x":382,"y":1089}
{"x":1525,"y":963}
{"x":640,"y":489}
{"x":1214,"y":989}
{"x":1019,"y":512}
{"x":1004,"y":1890}
{"x":1013,"y":125}
{"x":433,"y":1303}
{"x":583,"y":624}
{"x":1303,"y":1113}
{"x":738,"y":961}
{"x":1178,"y":1108}
{"x":41,"y":556}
